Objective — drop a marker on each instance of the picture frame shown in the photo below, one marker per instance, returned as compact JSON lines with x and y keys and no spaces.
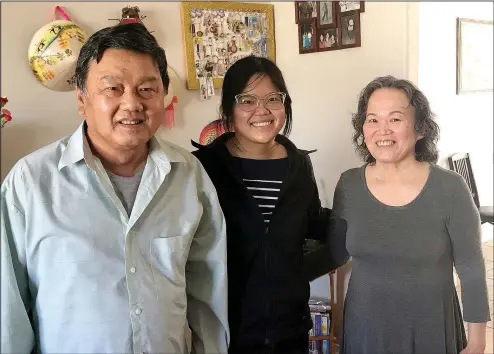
{"x":326,"y":14}
{"x":348,"y":6}
{"x":216,"y":34}
{"x":330,"y":39}
{"x":305,"y":11}
{"x":474,"y":56}
{"x":307,"y":37}
{"x":349,"y":35}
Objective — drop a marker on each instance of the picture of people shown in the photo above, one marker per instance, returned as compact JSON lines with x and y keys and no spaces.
{"x":326,"y":13}
{"x":350,"y":31}
{"x":328,"y":38}
{"x":335,"y":27}
{"x":307,"y":10}
{"x":307,"y":36}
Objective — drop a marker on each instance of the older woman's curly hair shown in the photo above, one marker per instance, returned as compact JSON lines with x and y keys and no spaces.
{"x":425,"y":148}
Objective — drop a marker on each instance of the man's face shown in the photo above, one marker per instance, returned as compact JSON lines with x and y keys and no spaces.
{"x":124,"y":100}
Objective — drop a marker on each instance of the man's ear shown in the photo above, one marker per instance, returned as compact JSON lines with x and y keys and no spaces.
{"x":81,"y":102}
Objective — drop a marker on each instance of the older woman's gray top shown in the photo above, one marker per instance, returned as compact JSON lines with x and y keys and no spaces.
{"x":401,"y":296}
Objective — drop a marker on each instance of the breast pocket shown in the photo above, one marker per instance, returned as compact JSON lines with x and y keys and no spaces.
{"x":169,"y":255}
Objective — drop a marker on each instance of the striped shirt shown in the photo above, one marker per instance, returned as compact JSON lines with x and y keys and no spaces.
{"x":264,"y":178}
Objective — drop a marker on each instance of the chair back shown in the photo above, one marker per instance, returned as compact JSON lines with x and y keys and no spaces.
{"x":460,"y":163}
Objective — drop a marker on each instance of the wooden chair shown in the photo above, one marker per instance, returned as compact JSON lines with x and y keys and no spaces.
{"x":460,"y":163}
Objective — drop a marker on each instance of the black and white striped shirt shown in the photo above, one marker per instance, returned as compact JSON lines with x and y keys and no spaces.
{"x":264,"y":178}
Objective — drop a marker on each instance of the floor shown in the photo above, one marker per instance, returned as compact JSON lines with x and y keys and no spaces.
{"x":488,"y":250}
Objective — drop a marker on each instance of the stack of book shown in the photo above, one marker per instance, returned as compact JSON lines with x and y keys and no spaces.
{"x":319,"y":335}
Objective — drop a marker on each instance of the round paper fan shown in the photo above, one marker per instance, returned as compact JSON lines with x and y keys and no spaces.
{"x":212,"y":131}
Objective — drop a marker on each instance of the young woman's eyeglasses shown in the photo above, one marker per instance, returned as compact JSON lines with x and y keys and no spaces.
{"x":248,"y":103}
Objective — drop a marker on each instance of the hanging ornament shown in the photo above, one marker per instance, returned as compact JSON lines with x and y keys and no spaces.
{"x":130,"y":14}
{"x":53,"y":52}
{"x":203,"y":89}
{"x":171,"y":99}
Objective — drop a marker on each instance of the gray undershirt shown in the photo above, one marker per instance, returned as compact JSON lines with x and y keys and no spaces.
{"x":126,"y":188}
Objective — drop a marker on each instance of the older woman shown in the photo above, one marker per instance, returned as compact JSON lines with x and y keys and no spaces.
{"x":409,"y":222}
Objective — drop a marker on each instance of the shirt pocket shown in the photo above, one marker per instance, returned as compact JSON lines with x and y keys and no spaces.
{"x":169,"y":255}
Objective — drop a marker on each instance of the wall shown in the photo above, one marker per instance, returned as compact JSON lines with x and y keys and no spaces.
{"x":466,"y":120}
{"x":324,"y":86}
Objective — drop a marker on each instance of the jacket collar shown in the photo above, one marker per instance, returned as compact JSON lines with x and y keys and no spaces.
{"x":219,"y":145}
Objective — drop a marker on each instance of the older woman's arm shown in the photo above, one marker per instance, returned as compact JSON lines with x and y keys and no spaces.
{"x":464,"y":229}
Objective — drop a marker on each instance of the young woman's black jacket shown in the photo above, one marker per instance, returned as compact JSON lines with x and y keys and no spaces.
{"x":268,"y":274}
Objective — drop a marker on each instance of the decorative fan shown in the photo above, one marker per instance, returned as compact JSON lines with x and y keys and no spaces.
{"x":212,"y":131}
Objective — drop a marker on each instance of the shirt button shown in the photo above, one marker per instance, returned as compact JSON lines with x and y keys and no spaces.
{"x":138,"y":312}
{"x":133,"y":270}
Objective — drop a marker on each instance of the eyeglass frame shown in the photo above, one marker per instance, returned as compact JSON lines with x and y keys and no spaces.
{"x":283,"y":95}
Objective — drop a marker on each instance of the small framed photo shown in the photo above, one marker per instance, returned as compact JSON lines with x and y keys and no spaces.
{"x":327,"y":39}
{"x":350,"y":30}
{"x":326,"y":14}
{"x":307,"y":37}
{"x":305,"y":11}
{"x":346,"y":6}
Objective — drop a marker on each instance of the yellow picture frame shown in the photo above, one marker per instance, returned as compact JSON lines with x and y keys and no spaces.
{"x":193,"y":61}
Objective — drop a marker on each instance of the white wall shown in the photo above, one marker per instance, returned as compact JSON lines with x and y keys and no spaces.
{"x":324,"y":86}
{"x":466,"y":121}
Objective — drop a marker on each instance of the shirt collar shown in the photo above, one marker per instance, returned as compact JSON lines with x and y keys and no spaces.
{"x":78,"y":149}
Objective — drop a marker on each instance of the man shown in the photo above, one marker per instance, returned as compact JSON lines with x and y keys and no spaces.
{"x":113,"y":240}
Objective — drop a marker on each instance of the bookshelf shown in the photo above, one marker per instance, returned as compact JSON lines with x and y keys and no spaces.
{"x":338,"y":282}
{"x":333,"y":301}
{"x":313,"y":338}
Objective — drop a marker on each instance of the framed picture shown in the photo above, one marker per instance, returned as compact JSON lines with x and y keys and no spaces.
{"x":305,"y":11}
{"x":216,"y":34}
{"x":346,"y":6}
{"x":350,"y":29}
{"x":328,"y":39}
{"x":474,"y":56}
{"x":307,"y":36}
{"x":326,"y":14}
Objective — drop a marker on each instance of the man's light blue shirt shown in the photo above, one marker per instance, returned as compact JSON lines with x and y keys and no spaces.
{"x":79,"y":275}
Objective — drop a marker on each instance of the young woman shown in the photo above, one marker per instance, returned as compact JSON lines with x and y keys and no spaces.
{"x":271,"y":204}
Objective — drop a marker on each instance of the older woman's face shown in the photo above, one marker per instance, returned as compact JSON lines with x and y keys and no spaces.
{"x":389,"y":131}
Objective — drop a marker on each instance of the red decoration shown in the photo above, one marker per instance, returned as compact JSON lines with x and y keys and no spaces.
{"x":169,"y":121}
{"x":130,"y":14}
{"x":5,"y":116}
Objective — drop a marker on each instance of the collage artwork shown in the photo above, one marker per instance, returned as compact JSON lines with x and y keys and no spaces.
{"x":219,"y":38}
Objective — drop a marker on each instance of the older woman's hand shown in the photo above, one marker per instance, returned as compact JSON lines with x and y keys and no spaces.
{"x":473,"y":348}
{"x":476,"y":339}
